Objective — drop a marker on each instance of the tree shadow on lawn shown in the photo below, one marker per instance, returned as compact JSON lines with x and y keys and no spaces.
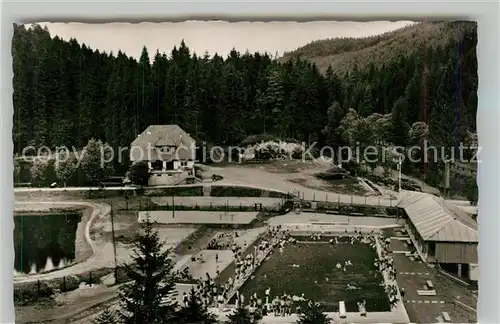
{"x":317,"y":262}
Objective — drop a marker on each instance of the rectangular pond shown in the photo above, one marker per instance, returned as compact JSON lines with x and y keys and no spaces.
{"x":43,"y":241}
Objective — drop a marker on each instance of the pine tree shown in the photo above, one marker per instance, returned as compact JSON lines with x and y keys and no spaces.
{"x":67,"y":93}
{"x":333,"y":87}
{"x":40,"y":102}
{"x":159,"y":73}
{"x":471,"y":191}
{"x":399,"y":126}
{"x":146,"y":115}
{"x":61,"y":124}
{"x":240,"y":315}
{"x":139,"y":173}
{"x":114,"y":104}
{"x":275,"y":112}
{"x":90,"y":94}
{"x":195,"y":312}
{"x":65,"y":168}
{"x":313,"y":314}
{"x":366,"y":102}
{"x":147,"y":299}
{"x":106,"y":317}
{"x":96,"y":160}
{"x":335,"y":115}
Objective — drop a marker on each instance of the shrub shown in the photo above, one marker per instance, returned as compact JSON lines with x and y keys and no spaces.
{"x":43,"y":171}
{"x":175,"y":191}
{"x":139,"y":173}
{"x":224,"y":191}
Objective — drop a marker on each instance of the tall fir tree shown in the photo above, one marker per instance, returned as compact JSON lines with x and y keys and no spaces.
{"x":148,"y":297}
{"x":313,"y":314}
{"x":399,"y":127}
{"x":195,"y":311}
{"x":90,"y":94}
{"x":240,"y":315}
{"x":96,"y":161}
{"x":67,"y":93}
{"x":146,"y":114}
{"x":107,"y":317}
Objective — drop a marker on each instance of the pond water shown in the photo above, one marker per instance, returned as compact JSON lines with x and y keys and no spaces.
{"x":44,"y":242}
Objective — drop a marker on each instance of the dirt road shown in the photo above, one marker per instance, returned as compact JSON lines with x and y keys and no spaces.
{"x":281,"y":181}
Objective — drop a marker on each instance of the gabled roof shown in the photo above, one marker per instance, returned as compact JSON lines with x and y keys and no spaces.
{"x":437,"y":220}
{"x":143,"y":148}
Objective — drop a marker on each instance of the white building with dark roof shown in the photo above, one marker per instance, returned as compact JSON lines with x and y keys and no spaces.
{"x":442,"y":233}
{"x":169,"y":151}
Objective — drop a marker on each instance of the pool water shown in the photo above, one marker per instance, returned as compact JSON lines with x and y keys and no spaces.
{"x":310,"y":269}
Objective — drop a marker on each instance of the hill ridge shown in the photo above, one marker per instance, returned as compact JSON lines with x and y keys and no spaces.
{"x":344,"y":54}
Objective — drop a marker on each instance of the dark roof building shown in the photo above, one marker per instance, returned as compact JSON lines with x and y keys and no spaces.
{"x":437,"y":220}
{"x":163,"y":143}
{"x":442,"y":232}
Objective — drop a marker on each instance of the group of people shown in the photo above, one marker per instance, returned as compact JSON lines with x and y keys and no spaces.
{"x":315,"y":237}
{"x":244,"y":264}
{"x":392,"y":292}
{"x":223,"y":242}
{"x":218,"y":295}
{"x":385,"y":263}
{"x":270,"y":240}
{"x":283,"y":305}
{"x":212,"y":293}
{"x":208,"y":290}
{"x":275,"y":237}
{"x":344,"y":266}
{"x":184,"y":275}
{"x":286,"y":304}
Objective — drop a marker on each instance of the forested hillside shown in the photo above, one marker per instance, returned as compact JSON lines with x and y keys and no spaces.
{"x":66,"y":93}
{"x":344,"y":54}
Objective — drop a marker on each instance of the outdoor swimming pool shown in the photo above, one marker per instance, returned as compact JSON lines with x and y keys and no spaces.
{"x":309,"y":268}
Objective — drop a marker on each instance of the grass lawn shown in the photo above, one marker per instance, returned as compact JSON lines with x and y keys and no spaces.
{"x":317,"y":262}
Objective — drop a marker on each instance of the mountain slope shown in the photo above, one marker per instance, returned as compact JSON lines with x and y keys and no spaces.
{"x":343,"y":54}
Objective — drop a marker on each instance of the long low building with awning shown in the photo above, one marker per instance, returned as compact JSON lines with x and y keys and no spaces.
{"x":442,"y":232}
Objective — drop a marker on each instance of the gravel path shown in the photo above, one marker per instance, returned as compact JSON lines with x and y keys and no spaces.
{"x":102,"y":250}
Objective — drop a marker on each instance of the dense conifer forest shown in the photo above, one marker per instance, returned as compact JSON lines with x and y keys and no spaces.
{"x":66,"y":93}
